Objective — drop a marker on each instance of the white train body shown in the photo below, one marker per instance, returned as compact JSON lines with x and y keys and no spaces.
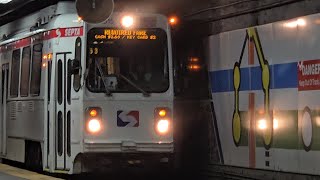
{"x":277,"y":73}
{"x":55,"y":109}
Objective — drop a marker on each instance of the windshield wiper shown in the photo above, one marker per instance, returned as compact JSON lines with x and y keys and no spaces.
{"x":108,"y":92}
{"x":146,"y":94}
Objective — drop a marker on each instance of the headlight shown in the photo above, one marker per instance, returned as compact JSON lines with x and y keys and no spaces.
{"x":162,"y":117}
{"x":163,"y":126}
{"x":93,"y":122}
{"x":94,"y":126}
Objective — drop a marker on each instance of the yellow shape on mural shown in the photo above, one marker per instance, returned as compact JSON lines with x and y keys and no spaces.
{"x":236,"y":123}
{"x":252,"y":35}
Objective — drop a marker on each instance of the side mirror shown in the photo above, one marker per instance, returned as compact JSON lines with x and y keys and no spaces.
{"x":74,"y":66}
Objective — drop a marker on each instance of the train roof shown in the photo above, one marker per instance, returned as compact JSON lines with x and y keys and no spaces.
{"x":35,"y":21}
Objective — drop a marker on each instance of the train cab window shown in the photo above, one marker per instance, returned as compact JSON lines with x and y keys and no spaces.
{"x":25,"y":71}
{"x":36,"y":70}
{"x":15,"y":70}
{"x":122,"y":65}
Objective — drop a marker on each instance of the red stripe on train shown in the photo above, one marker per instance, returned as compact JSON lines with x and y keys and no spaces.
{"x":47,"y":35}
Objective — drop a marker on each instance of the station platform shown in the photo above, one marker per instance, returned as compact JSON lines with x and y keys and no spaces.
{"x":12,"y":173}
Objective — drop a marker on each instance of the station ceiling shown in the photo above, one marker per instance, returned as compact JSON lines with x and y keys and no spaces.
{"x":18,"y":8}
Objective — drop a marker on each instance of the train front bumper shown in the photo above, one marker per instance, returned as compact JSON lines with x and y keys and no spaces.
{"x":127,"y":146}
{"x":111,"y":157}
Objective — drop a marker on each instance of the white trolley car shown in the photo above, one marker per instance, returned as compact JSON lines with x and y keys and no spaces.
{"x":76,"y":97}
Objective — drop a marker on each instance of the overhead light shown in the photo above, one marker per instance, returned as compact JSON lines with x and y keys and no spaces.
{"x":5,"y":1}
{"x":295,"y":23}
{"x":127,"y":21}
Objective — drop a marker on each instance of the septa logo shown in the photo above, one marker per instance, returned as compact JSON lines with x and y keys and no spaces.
{"x":128,"y":118}
{"x":69,"y":32}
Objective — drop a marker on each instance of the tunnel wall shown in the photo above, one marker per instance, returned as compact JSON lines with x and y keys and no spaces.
{"x":225,"y":15}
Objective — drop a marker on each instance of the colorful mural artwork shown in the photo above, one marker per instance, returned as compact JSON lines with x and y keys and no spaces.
{"x":265,"y":84}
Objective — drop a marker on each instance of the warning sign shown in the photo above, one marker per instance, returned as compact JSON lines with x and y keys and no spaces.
{"x":309,"y":75}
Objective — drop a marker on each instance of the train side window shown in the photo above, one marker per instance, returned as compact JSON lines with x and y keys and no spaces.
{"x":15,"y":71}
{"x":25,"y":71}
{"x":36,"y":69}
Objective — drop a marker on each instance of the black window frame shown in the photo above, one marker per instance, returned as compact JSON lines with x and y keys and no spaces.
{"x":16,"y":72}
{"x":35,"y":86}
{"x":25,"y":77}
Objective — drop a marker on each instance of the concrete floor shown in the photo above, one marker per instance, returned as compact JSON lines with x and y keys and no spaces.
{"x":12,"y":173}
{"x":4,"y":176}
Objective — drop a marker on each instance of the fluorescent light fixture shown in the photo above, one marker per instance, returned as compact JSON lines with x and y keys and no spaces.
{"x":5,"y":1}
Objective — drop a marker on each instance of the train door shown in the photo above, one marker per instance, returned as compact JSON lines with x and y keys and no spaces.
{"x":50,"y":102}
{"x":63,"y":113}
{"x":3,"y":124}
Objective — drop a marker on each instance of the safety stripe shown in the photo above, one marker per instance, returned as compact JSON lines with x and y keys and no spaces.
{"x":282,"y":76}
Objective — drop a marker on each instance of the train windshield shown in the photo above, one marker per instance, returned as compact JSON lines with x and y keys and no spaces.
{"x":127,"y":60}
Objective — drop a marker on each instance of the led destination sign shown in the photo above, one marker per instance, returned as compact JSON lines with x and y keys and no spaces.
{"x":115,"y":34}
